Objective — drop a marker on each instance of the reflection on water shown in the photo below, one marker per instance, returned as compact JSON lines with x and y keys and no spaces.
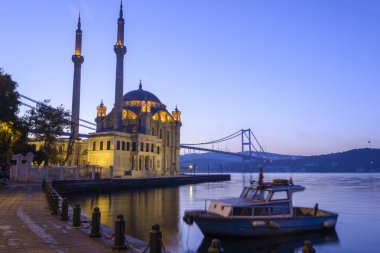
{"x":356,"y":197}
{"x":141,"y":209}
{"x":278,"y":244}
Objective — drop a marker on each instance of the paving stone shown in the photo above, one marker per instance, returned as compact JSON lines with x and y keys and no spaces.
{"x":26,"y":225}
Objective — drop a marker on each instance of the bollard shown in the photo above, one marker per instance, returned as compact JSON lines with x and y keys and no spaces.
{"x":76,"y":216}
{"x":155,"y":239}
{"x":44,"y":185}
{"x":49,"y":198}
{"x":215,"y":247}
{"x":55,"y":204}
{"x":95,"y":223}
{"x":308,"y":247}
{"x":119,"y":233}
{"x":65,"y":210}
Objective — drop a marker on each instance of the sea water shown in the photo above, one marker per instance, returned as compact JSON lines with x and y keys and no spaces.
{"x":355,"y":197}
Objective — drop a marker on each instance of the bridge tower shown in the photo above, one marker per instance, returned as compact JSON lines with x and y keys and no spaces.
{"x":246,"y":146}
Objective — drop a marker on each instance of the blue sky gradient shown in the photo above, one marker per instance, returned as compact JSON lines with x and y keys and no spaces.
{"x":303,"y":75}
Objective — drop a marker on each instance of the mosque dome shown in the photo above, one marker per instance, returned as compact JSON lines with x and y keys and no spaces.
{"x":141,"y":95}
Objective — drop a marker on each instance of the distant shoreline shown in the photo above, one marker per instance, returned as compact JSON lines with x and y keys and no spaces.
{"x":266,"y":171}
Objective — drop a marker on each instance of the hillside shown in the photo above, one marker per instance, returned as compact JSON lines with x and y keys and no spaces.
{"x":357,"y":160}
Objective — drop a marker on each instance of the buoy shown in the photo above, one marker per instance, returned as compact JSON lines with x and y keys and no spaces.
{"x":258,"y":223}
{"x":329,"y":223}
{"x":274,"y":225}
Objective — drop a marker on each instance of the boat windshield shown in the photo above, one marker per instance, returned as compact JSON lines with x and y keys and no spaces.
{"x":251,"y":193}
{"x":261,"y":195}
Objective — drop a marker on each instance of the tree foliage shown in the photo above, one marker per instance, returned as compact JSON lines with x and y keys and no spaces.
{"x":14,"y":131}
{"x":46,"y":124}
{"x":9,"y":98}
{"x":9,"y":137}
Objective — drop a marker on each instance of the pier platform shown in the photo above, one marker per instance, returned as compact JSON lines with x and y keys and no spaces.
{"x":26,"y":225}
{"x":105,"y":185}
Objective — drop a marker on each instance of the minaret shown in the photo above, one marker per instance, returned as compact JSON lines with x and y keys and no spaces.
{"x":120,"y":51}
{"x":78,"y":59}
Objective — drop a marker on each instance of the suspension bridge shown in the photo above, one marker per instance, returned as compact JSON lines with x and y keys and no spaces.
{"x":248,"y":144}
{"x":245,"y":145}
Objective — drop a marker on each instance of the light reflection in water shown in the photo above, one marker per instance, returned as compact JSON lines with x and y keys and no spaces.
{"x":356,"y":197}
{"x":191,"y":193}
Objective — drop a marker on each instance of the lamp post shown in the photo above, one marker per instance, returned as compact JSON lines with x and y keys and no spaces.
{"x":173,"y":166}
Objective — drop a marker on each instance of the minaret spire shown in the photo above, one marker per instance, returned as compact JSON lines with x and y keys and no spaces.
{"x":120,"y":26}
{"x":121,"y":9}
{"x":120,"y":51}
{"x":77,"y":59}
{"x":78,"y":38}
{"x":79,"y":24}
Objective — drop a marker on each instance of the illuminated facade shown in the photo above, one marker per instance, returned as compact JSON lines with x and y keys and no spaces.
{"x":147,"y":143}
{"x":139,"y":137}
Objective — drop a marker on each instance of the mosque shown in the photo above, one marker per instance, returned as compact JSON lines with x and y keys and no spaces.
{"x":138,"y":137}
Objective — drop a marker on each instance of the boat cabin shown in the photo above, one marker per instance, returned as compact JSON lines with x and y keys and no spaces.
{"x":270,"y":199}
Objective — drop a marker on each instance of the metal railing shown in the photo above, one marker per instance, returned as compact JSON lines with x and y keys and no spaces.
{"x":267,"y":211}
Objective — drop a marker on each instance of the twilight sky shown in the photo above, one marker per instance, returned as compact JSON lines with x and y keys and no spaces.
{"x":303,"y":75}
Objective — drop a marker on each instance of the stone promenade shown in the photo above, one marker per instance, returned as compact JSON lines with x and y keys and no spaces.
{"x":26,"y":225}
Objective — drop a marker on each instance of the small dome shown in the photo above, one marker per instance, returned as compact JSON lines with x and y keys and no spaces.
{"x":141,"y":95}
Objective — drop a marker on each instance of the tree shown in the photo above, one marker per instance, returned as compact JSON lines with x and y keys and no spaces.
{"x":46,"y":124}
{"x":9,"y":136}
{"x":13,"y":130}
{"x":9,"y":98}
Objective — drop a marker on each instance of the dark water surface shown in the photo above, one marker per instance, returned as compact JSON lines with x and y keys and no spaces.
{"x":356,"y":197}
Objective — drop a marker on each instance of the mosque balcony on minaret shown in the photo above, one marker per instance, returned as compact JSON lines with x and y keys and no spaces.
{"x":120,"y":50}
{"x":77,"y":59}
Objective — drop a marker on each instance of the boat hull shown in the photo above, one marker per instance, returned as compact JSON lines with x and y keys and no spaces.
{"x":211,"y":224}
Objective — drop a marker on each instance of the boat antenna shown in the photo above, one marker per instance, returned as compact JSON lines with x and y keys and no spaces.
{"x":261,"y":177}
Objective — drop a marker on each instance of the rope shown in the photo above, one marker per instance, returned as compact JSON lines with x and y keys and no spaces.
{"x":147,"y":247}
{"x":86,"y":227}
{"x":131,"y":248}
{"x":105,"y":236}
{"x":163,"y":247}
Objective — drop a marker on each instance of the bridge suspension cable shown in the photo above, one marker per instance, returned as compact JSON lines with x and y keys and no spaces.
{"x":229,"y":137}
{"x":33,"y":107}
{"x":37,"y":102}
